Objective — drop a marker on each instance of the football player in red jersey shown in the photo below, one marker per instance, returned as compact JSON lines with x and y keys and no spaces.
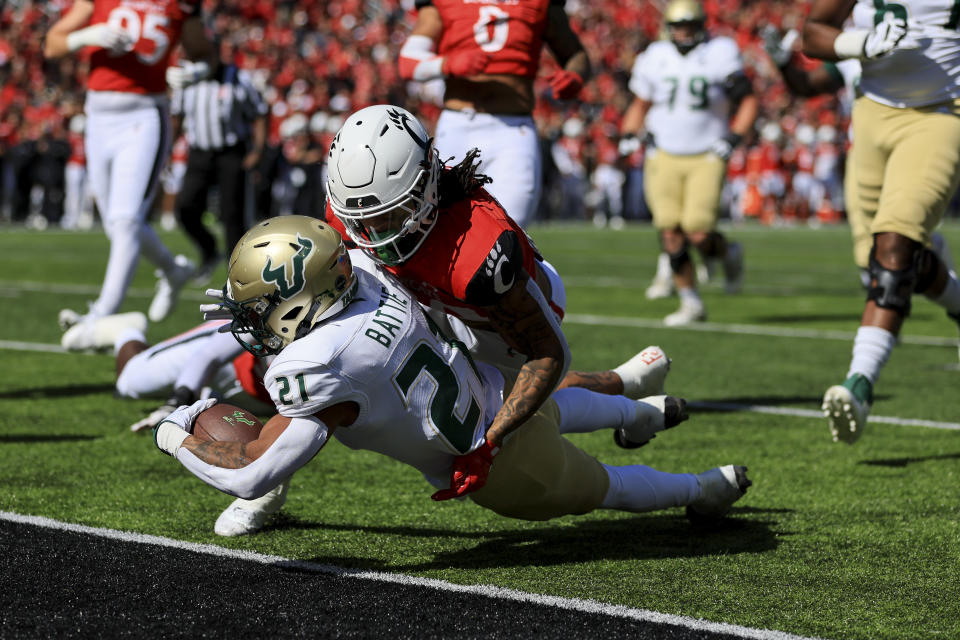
{"x":488,"y":54}
{"x":452,"y":243}
{"x":128,"y":135}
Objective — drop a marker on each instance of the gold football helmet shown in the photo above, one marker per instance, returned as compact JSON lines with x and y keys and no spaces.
{"x":285,"y":275}
{"x":685,"y":22}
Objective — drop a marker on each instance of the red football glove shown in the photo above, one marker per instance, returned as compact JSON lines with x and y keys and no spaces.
{"x":565,"y":84}
{"x":469,"y":472}
{"x":468,"y":62}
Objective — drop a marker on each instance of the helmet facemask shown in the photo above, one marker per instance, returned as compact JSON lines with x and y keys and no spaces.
{"x":285,"y":276}
{"x":392,"y":232}
{"x":382,"y":174}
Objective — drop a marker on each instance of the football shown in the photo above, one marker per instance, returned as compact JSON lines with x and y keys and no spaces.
{"x":227,"y":423}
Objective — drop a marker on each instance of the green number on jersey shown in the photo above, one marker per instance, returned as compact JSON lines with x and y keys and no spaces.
{"x":442,"y":406}
{"x":898,"y":10}
{"x":673,"y":91}
{"x":285,"y":388}
{"x":698,"y":89}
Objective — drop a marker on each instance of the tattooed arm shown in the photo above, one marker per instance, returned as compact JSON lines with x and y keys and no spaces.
{"x":523,"y":319}
{"x":249,"y":470}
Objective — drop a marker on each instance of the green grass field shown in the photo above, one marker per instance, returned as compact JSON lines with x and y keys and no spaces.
{"x":837,"y":541}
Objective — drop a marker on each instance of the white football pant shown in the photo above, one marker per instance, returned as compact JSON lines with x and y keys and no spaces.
{"x":509,"y":154}
{"x":127,"y":143}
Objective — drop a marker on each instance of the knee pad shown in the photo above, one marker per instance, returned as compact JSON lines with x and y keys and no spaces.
{"x":679,"y":259}
{"x":927,"y":264}
{"x":711,"y":245}
{"x":893,"y":287}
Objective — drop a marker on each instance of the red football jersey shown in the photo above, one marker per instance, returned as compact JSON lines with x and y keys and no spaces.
{"x":468,"y":261}
{"x":154,"y":26}
{"x":511,"y":31}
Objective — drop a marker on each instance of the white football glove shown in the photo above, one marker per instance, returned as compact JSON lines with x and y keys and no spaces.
{"x":189,"y":72}
{"x":723,"y":147}
{"x":107,"y":36}
{"x":170,"y":433}
{"x":628,"y":145}
{"x":780,"y":49}
{"x":884,"y":37}
{"x":153,"y":419}
{"x":867,"y":45}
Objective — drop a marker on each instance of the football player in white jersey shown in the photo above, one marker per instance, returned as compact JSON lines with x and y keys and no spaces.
{"x":357,"y":358}
{"x":687,"y":87}
{"x":907,"y":160}
{"x":844,"y":77}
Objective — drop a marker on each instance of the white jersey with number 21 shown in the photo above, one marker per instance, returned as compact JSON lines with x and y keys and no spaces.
{"x":422,"y":400}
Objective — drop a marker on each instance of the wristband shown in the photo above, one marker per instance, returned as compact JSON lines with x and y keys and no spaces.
{"x":849,"y":44}
{"x":168,"y":437}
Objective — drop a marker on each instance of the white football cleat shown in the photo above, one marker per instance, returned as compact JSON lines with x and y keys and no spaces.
{"x":691,"y":310}
{"x":719,"y":489}
{"x":733,"y":267}
{"x":644,"y":374}
{"x":100,"y":333}
{"x":654,"y":414}
{"x":168,"y":288}
{"x":845,"y":413}
{"x":68,"y":318}
{"x":244,"y":517}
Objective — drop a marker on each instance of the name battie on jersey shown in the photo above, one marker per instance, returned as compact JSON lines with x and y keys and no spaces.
{"x":389,"y":317}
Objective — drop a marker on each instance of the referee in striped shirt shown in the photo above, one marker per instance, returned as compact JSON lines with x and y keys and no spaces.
{"x":225,"y":121}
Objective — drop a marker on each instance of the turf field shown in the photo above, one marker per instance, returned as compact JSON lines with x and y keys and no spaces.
{"x":834,"y":541}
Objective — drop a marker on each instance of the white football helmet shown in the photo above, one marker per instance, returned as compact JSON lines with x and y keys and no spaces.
{"x":285,"y":275}
{"x":382,"y":175}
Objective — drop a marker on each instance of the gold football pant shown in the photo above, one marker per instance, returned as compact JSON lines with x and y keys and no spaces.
{"x":539,"y":474}
{"x":907,"y":165}
{"x":684,"y":191}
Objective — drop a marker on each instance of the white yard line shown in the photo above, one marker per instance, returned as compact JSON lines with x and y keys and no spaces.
{"x":745,"y":329}
{"x":490,"y":591}
{"x":811,"y":413}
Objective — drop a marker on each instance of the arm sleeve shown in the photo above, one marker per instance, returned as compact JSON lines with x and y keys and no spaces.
{"x":300,"y":441}
{"x":497,"y":273}
{"x":419,"y":60}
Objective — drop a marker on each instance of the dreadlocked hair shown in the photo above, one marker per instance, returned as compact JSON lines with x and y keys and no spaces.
{"x":461,"y":180}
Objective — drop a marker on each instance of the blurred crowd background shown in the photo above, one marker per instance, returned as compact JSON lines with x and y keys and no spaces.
{"x":315,"y":62}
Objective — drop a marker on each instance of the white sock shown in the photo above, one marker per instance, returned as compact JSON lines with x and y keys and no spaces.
{"x":871,"y":350}
{"x":688,"y":294}
{"x":584,"y":411}
{"x":950,"y":298}
{"x":664,"y":270}
{"x":154,"y":249}
{"x":638,"y":488}
{"x":121,"y":266}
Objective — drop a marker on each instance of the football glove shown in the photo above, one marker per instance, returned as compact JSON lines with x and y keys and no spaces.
{"x":723,"y":147}
{"x":465,"y":63}
{"x":884,"y":36}
{"x":469,"y":472}
{"x":170,"y":433}
{"x":181,"y":396}
{"x":780,"y":49}
{"x":106,"y":36}
{"x":189,"y":72}
{"x":565,"y":84}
